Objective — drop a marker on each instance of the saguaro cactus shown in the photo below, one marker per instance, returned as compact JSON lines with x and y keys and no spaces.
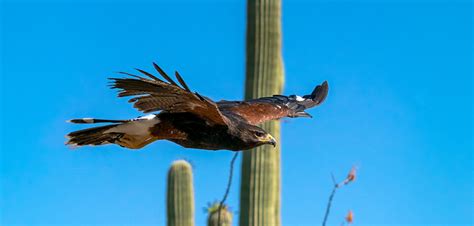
{"x":260,"y":185}
{"x":213,"y":216}
{"x":180,"y":196}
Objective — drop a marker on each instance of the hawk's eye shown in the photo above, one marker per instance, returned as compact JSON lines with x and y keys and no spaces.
{"x":259,"y":134}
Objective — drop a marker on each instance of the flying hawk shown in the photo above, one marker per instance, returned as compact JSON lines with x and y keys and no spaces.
{"x":191,"y":119}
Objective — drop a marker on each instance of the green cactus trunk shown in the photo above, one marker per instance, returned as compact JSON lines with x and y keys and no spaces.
{"x":180,"y":197}
{"x":260,"y":185}
{"x":213,"y":217}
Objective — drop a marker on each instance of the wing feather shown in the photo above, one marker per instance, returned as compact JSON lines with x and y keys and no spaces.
{"x":263,"y":109}
{"x":153,"y":94}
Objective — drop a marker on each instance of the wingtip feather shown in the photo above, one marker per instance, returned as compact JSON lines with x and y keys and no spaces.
{"x":163,"y":74}
{"x":320,"y":92}
{"x":181,"y":81}
{"x":148,"y":74}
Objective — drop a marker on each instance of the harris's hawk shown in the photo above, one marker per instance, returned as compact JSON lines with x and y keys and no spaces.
{"x":190,"y":119}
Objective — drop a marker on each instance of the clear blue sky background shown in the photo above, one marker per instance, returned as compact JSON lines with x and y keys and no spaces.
{"x":399,"y":107}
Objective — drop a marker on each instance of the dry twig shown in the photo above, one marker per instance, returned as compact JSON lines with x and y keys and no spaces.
{"x":229,"y":183}
{"x":350,"y":177}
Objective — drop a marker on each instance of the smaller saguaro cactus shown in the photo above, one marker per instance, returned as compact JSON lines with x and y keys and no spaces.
{"x":213,"y":215}
{"x":180,"y":196}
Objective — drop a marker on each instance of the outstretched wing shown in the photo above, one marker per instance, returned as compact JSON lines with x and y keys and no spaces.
{"x":263,"y":109}
{"x":153,"y":94}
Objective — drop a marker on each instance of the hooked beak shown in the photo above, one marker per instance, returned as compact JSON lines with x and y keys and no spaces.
{"x":269,"y":140}
{"x":303,"y":114}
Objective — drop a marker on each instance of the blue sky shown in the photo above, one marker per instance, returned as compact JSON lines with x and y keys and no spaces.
{"x":399,"y":107}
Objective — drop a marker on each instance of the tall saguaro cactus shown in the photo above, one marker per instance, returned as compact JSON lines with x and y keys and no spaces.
{"x":180,"y":196}
{"x":260,"y":185}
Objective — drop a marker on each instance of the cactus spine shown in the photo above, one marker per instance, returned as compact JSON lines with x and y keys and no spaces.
{"x":213,"y":216}
{"x":180,"y":198}
{"x":260,"y":185}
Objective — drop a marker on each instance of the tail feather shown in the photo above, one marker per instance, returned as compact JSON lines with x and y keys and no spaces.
{"x":93,"y":136}
{"x":134,"y":133}
{"x":94,"y":120}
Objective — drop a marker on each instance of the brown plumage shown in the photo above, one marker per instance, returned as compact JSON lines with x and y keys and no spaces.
{"x":190,"y":119}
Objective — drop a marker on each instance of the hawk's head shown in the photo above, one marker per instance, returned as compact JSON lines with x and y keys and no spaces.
{"x":255,"y":136}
